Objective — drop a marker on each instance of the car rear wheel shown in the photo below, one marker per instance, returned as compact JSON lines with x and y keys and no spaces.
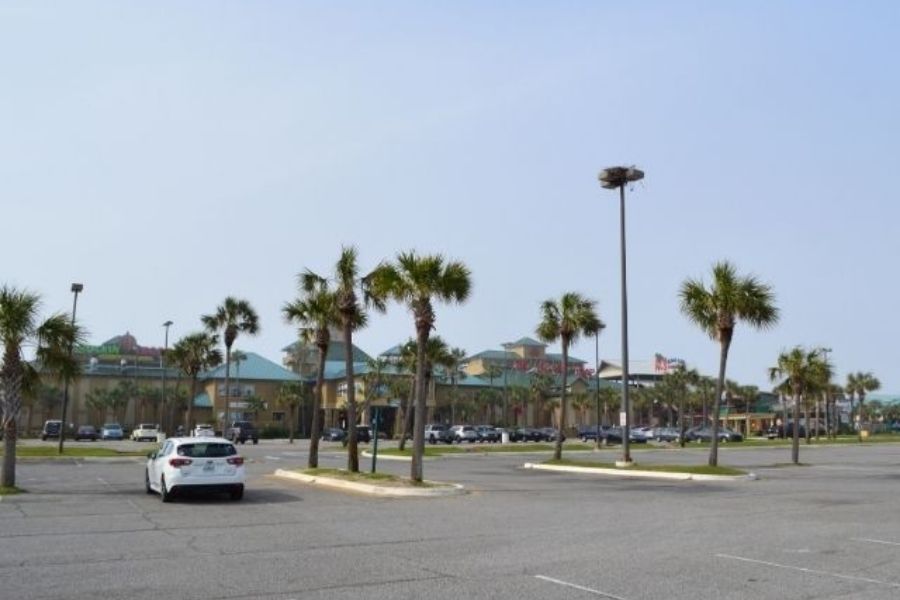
{"x":147,"y":481}
{"x":164,"y":494}
{"x":255,"y":442}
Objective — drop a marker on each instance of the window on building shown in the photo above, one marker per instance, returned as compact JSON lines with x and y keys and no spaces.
{"x":278,"y":417}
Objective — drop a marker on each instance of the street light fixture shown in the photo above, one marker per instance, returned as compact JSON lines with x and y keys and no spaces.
{"x":612,"y":178}
{"x":76,"y":289}
{"x":162,"y":364}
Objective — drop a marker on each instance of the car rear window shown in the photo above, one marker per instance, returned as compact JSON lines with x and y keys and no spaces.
{"x":203,"y":450}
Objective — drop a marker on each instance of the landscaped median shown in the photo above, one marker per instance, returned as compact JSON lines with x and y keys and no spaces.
{"x":375,"y":484}
{"x":74,"y":451}
{"x":438,"y":451}
{"x":675,"y":472}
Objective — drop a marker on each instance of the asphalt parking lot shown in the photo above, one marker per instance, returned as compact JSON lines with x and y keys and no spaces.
{"x":86,"y":529}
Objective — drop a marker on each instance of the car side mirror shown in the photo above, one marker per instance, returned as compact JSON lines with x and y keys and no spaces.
{"x":151,"y":455}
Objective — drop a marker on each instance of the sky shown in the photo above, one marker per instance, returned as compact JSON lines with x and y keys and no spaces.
{"x":167,"y":155}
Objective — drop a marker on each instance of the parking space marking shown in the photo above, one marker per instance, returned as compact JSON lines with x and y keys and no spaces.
{"x":578,"y":587}
{"x":766,"y":563}
{"x":272,"y":458}
{"x":871,"y":541}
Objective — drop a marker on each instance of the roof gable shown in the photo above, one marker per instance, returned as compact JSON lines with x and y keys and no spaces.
{"x":255,"y":368}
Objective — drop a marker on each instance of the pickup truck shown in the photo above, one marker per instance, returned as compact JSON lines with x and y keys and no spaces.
{"x":145,"y":432}
{"x":241,"y":432}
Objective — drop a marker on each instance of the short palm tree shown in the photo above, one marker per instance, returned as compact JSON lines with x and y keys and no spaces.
{"x":193,"y":354}
{"x":315,"y":313}
{"x":803,"y":372}
{"x":453,"y":363}
{"x":717,"y":309}
{"x":567,"y":320}
{"x":290,"y":396}
{"x":232,"y":317}
{"x":860,"y":384}
{"x":373,"y":380}
{"x":51,"y":341}
{"x":418,"y":281}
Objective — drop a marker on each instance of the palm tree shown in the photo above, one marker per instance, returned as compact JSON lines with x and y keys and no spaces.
{"x":678,"y":383}
{"x":51,"y":340}
{"x":581,"y":402}
{"x":453,"y":363}
{"x":519,"y":395}
{"x":567,"y":320}
{"x":124,"y":393}
{"x":408,"y":356}
{"x":315,"y":312}
{"x":290,"y":397}
{"x":541,"y":387}
{"x":255,"y":405}
{"x":802,"y":371}
{"x":237,"y":357}
{"x":373,"y":381}
{"x":97,"y":401}
{"x":717,"y":309}
{"x":193,"y":354}
{"x":418,"y":281}
{"x":861,"y":383}
{"x":749,"y":394}
{"x":232,"y":317}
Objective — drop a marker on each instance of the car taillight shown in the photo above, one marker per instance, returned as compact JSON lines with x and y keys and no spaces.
{"x":179,"y":462}
{"x":236,"y":461}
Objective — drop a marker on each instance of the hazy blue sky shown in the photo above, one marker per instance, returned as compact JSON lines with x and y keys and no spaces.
{"x":170,"y":154}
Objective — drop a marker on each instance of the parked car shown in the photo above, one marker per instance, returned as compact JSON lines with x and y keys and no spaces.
{"x":145,"y":432}
{"x":487,"y":433}
{"x":86,"y":432}
{"x":437,"y":432}
{"x":51,"y":429}
{"x":242,"y":431}
{"x":363,"y":434}
{"x":666,"y":434}
{"x":548,"y":434}
{"x":464,"y":433}
{"x":203,"y":430}
{"x":643,"y":432}
{"x":333,"y":434}
{"x":588,"y":433}
{"x":528,"y":434}
{"x":111,"y":431}
{"x":704,"y":434}
{"x":189,"y":464}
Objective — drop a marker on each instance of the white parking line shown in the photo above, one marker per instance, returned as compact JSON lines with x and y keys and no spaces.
{"x":871,"y":541}
{"x":578,"y":587}
{"x":272,"y":458}
{"x":811,"y":571}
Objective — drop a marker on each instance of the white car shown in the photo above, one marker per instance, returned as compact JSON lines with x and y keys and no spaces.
{"x":209,"y":464}
{"x":204,"y":431}
{"x":464,"y":433}
{"x":145,"y":432}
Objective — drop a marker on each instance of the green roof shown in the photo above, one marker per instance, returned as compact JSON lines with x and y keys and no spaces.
{"x":335,"y":351}
{"x":254,"y":368}
{"x":525,"y":341}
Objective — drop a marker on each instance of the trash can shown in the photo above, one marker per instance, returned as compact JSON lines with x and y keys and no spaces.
{"x":504,"y":437}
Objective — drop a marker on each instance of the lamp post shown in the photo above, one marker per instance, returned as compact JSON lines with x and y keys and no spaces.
{"x":612,"y":178}
{"x":597,"y":381}
{"x":162,"y":364}
{"x":76,"y":289}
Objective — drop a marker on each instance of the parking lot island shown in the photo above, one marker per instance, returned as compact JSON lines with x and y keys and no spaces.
{"x":377,"y":484}
{"x":672,"y":472}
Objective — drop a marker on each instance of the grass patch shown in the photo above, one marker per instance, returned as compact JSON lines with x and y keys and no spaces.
{"x":692,"y":469}
{"x":73,"y":452}
{"x":434,"y":451}
{"x":6,"y":490}
{"x":384,"y":479}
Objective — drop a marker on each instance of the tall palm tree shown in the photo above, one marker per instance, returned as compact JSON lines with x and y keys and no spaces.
{"x":802,"y":371}
{"x":315,"y":312}
{"x":193,"y":354}
{"x":418,"y":281}
{"x":860,"y":383}
{"x":232,"y":317}
{"x":567,"y":320}
{"x":51,"y":341}
{"x":717,"y":309}
{"x":678,"y":382}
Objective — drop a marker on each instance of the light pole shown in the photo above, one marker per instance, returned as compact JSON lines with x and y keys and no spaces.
{"x":597,"y":380}
{"x":76,"y":289}
{"x":162,"y":364}
{"x":612,"y":178}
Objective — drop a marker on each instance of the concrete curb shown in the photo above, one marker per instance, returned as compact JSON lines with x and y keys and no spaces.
{"x":640,"y":474}
{"x":381,"y":456}
{"x":374,"y":490}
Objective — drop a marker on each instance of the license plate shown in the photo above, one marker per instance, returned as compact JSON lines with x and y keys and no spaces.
{"x":209,"y":467}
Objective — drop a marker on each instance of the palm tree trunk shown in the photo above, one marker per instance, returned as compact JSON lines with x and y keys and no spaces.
{"x":407,"y":415}
{"x":860,"y":420}
{"x":817,"y":419}
{"x":725,"y":341}
{"x":318,"y":400}
{"x":352,"y":442}
{"x":190,"y":406}
{"x":795,"y":444}
{"x":681,"y":423}
{"x":806,"y":419}
{"x":291,"y":424}
{"x":557,"y":450}
{"x":422,"y":331}
{"x":8,"y":478}
{"x":227,"y":390}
